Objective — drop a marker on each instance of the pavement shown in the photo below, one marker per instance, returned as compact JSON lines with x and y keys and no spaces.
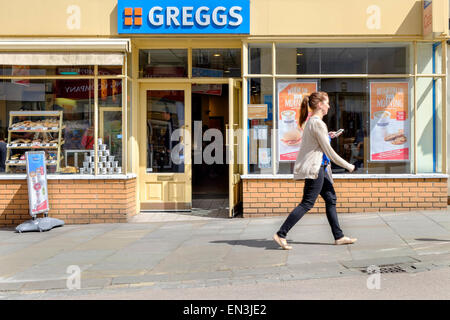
{"x":204,"y":248}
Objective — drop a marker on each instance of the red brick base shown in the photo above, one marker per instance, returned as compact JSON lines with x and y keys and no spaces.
{"x":278,"y":197}
{"x":74,"y":201}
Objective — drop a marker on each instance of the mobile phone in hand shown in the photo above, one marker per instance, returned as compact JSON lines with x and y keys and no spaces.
{"x":338,"y":133}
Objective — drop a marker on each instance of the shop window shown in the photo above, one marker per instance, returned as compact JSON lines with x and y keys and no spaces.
{"x":110,"y":120}
{"x":260,"y":125}
{"x":429,"y":58}
{"x":129,"y":154}
{"x":109,"y":70}
{"x":429,"y":125}
{"x":388,"y":60}
{"x":216,"y":63}
{"x":165,"y":119}
{"x":66,"y":146}
{"x":298,"y":60}
{"x":163,"y":63}
{"x":260,"y":58}
{"x":8,"y":70}
{"x":376,"y":118}
{"x":342,"y":59}
{"x":57,"y":116}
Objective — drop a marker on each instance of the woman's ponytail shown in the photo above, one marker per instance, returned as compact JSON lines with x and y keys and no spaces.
{"x":312,"y":101}
{"x":303,"y":111}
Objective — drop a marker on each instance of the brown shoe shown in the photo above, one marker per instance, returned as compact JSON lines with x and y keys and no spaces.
{"x":281,"y":242}
{"x":346,"y":240}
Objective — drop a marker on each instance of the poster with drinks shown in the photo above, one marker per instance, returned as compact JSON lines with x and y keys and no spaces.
{"x":37,"y":182}
{"x":20,"y":71}
{"x":389,"y":121}
{"x":290,"y":96}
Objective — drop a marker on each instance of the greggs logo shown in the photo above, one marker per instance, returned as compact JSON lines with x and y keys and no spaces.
{"x":184,"y":16}
{"x":132,"y":16}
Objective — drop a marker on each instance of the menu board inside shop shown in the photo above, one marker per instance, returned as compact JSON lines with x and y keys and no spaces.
{"x":389,"y":121}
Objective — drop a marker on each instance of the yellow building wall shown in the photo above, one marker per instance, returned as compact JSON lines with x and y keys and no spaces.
{"x":268,"y":17}
{"x":350,"y":17}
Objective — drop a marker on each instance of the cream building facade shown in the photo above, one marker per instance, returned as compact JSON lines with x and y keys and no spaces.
{"x":133,"y":74}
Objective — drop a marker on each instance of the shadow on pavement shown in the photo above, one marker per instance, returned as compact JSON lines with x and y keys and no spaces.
{"x":264,"y":243}
{"x":429,"y":239}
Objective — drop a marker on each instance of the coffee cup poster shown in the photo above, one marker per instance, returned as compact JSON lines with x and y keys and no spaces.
{"x":290,"y":96}
{"x":389,"y":121}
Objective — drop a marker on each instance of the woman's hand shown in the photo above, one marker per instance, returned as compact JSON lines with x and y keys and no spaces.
{"x":352,"y":169}
{"x":332,"y":134}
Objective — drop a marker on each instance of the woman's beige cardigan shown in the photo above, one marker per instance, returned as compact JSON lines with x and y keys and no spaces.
{"x":314,"y":143}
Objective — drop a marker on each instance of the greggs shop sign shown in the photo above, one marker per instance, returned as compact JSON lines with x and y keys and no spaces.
{"x":184,"y":17}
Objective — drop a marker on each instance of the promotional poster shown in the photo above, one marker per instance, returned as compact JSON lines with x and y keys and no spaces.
{"x":389,"y":121}
{"x":290,"y":96}
{"x":37,"y":182}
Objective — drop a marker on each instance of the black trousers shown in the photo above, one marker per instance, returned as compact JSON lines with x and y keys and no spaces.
{"x":313,"y":187}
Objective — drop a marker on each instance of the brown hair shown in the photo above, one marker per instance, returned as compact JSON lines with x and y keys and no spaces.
{"x":311,"y":101}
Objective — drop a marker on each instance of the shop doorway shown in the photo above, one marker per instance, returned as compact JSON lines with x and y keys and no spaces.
{"x":165,"y":178}
{"x":210,"y":112}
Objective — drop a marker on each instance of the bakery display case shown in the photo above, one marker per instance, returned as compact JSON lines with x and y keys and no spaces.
{"x":34,"y":130}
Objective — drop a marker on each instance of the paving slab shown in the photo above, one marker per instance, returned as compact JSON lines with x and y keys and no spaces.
{"x":179,"y":252}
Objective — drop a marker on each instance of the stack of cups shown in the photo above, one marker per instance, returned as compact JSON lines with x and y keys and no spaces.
{"x":105,"y":161}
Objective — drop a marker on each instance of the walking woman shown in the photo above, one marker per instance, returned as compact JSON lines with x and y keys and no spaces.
{"x":313,"y":165}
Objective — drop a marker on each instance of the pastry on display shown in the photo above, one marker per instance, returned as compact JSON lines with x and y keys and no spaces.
{"x":47,"y":134}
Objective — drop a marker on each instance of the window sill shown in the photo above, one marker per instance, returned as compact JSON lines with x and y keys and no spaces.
{"x":72,"y":177}
{"x":352,"y":176}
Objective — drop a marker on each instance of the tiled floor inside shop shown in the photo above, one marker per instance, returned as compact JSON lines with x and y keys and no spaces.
{"x":203,"y":209}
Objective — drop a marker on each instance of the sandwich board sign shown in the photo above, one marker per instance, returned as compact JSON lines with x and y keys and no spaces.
{"x":38,"y":194}
{"x":37,"y":182}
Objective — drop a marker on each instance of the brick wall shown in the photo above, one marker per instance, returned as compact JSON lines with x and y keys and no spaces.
{"x":74,"y":201}
{"x":278,"y":197}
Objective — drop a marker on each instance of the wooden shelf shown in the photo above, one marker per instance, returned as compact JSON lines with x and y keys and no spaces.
{"x":55,"y":147}
{"x":32,"y":146}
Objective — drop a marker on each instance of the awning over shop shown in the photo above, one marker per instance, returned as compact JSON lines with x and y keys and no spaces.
{"x":62,"y":52}
{"x":61,"y":59}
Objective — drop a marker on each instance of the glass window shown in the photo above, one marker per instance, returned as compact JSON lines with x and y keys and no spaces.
{"x":216,"y":63}
{"x":293,"y":60}
{"x":376,"y":118}
{"x":8,"y":70}
{"x":165,"y":146}
{"x":429,"y":58}
{"x":110,"y":124}
{"x":129,"y":100}
{"x":429,"y":125}
{"x":260,"y":127}
{"x":75,"y":98}
{"x":28,"y":120}
{"x":159,"y":63}
{"x":389,"y":60}
{"x":109,"y":71}
{"x":260,"y":58}
{"x":343,"y":59}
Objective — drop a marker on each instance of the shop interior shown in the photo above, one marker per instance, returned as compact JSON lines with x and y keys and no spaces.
{"x":210,"y":107}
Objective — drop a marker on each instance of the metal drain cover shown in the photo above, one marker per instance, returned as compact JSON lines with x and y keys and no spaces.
{"x":383,"y":269}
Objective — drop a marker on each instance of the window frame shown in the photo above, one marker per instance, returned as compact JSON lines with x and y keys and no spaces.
{"x":123,"y":77}
{"x":412,"y":76}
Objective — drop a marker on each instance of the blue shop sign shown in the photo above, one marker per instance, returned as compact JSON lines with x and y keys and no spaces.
{"x":183,"y":17}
